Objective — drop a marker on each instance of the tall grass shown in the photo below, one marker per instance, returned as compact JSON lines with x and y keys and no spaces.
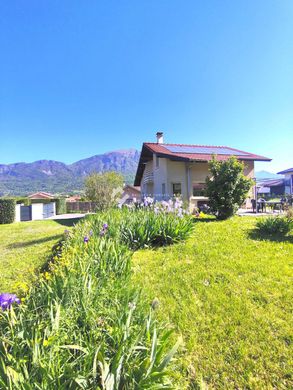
{"x":83,"y":326}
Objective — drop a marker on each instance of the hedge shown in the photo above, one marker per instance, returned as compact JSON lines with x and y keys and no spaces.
{"x":7,"y":211}
{"x":60,"y":206}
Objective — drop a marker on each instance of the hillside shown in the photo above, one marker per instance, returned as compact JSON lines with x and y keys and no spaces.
{"x":54,"y":176}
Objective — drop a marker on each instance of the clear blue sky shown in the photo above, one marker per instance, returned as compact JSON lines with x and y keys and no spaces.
{"x":79,"y":78}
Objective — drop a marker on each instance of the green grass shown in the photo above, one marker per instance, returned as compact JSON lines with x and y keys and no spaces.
{"x":24,"y":248}
{"x":229,"y":293}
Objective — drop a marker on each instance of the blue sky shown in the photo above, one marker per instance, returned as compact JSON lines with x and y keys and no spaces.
{"x":79,"y":78}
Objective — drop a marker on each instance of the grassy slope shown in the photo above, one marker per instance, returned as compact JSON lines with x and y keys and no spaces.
{"x":24,"y":248}
{"x":230,"y":295}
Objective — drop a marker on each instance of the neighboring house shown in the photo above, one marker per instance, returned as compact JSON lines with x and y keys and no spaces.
{"x":288,"y":180}
{"x":166,"y":170}
{"x":130,"y":194}
{"x":271,"y":186}
{"x":74,"y":198}
{"x":41,"y":195}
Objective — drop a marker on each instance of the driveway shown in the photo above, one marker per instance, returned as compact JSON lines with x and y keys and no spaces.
{"x":67,"y":216}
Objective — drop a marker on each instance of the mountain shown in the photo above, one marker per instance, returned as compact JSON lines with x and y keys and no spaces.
{"x":54,"y":176}
{"x":261,"y":175}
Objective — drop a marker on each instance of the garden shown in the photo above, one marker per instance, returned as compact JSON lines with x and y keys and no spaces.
{"x":151,"y":297}
{"x":84,"y":324}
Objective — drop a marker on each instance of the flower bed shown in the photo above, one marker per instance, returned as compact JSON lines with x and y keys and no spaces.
{"x":84,"y":325}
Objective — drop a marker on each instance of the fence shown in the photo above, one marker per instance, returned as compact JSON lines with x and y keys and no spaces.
{"x":83,"y":207}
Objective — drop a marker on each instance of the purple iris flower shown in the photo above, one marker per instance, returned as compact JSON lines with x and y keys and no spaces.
{"x":86,"y":239}
{"x":6,"y":300}
{"x":105,"y":226}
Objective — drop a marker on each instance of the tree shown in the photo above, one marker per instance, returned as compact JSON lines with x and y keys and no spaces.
{"x":104,"y":189}
{"x":227,"y":187}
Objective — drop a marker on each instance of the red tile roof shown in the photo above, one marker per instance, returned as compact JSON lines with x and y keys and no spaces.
{"x":41,"y":195}
{"x":215,"y":150}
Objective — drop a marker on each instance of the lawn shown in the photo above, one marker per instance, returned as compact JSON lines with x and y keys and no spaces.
{"x":24,"y":248}
{"x":229,"y":294}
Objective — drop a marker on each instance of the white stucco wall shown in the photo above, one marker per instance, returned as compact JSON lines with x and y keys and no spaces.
{"x":177,"y":174}
{"x":17,"y":213}
{"x":37,"y":211}
{"x":160,"y":177}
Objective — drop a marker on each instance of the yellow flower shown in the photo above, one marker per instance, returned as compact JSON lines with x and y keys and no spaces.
{"x":47,"y":275}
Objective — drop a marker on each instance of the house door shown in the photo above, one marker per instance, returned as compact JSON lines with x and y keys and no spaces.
{"x":25,"y":213}
{"x":48,"y":210}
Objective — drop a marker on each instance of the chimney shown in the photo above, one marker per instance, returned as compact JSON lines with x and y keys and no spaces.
{"x":160,"y":137}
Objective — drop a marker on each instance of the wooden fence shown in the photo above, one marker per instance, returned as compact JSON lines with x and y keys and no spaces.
{"x":81,"y":207}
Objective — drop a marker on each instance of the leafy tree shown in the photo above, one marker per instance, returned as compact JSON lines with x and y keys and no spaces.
{"x":104,"y":189}
{"x":227,"y":187}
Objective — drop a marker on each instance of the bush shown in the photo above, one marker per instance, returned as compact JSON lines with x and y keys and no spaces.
{"x":60,"y":206}
{"x":227,"y":188}
{"x":85,"y":325}
{"x":274,"y":225}
{"x":23,"y":200}
{"x":104,"y":189}
{"x":7,"y":211}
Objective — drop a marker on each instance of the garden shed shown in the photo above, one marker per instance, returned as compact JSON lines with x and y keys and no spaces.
{"x":35,"y":211}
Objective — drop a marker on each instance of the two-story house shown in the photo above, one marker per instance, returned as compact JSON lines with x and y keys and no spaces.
{"x":167,"y":170}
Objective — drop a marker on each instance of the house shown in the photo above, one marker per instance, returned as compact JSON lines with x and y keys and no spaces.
{"x":271,"y":186}
{"x":288,"y":180}
{"x":130,"y":194}
{"x":73,"y":198}
{"x":167,"y":170}
{"x":41,"y":195}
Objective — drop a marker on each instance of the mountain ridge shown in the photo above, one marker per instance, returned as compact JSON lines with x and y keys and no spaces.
{"x":55,"y":176}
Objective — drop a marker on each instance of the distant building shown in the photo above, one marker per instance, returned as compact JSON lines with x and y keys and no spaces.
{"x":271,"y":186}
{"x":74,"y":198}
{"x":41,"y":195}
{"x":288,"y":180}
{"x":130,"y":195}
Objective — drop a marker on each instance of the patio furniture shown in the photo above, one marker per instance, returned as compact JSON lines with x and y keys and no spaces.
{"x":275,"y":205}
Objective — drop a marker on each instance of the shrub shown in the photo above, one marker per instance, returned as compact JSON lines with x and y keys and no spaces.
{"x":84,"y":325}
{"x":60,"y":206}
{"x":274,"y":225}
{"x":7,"y":211}
{"x":23,"y":200}
{"x":227,"y":188}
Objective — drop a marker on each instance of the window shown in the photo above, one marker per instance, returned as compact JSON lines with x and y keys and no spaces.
{"x":163,"y":189}
{"x":157,"y":161}
{"x":198,"y":189}
{"x":177,"y":189}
